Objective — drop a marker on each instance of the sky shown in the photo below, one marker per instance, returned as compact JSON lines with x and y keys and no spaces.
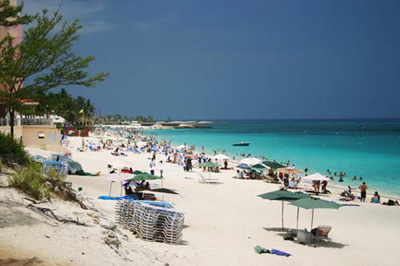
{"x":231,"y":59}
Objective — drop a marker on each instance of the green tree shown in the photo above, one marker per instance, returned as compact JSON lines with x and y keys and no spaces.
{"x":10,"y":15}
{"x":43,"y":61}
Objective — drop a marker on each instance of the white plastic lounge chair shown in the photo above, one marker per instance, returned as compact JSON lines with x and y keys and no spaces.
{"x":205,"y":180}
{"x":322,"y":233}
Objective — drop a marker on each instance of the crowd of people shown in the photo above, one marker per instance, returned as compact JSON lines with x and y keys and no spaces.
{"x":188,"y":159}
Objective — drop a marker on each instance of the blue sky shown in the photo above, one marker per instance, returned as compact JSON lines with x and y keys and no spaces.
{"x":226,"y":59}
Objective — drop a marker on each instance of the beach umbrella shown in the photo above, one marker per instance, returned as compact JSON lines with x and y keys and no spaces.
{"x":289,"y":170}
{"x":209,"y":164}
{"x":117,"y":177}
{"x":316,"y":177}
{"x":250,"y":161}
{"x":221,"y":157}
{"x":284,"y":195}
{"x":180,"y":147}
{"x":141,"y":144}
{"x":315,"y":203}
{"x":243,"y":166}
{"x":259,"y":167}
{"x":144,"y":176}
{"x":136,"y":172}
{"x":273,"y":165}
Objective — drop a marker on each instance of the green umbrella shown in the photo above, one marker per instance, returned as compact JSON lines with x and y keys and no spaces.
{"x":144,"y":176}
{"x":209,"y":164}
{"x":259,"y":167}
{"x":315,"y":203}
{"x":273,"y":165}
{"x":136,"y":172}
{"x":284,"y":195}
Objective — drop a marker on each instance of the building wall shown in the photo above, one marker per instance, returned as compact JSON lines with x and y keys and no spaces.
{"x":17,"y":131}
{"x":42,"y":137}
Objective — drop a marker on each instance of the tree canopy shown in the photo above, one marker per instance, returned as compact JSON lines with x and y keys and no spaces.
{"x":64,"y":104}
{"x":43,"y":61}
{"x":10,"y":15}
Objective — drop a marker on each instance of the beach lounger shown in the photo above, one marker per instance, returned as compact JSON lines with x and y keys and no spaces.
{"x":322,"y":233}
{"x":205,"y":180}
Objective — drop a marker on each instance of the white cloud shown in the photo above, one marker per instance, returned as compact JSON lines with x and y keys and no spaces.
{"x":84,"y":10}
{"x":150,"y":25}
{"x":97,"y":26}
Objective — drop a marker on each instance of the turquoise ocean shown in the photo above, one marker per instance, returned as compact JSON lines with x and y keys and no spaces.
{"x":367,"y":148}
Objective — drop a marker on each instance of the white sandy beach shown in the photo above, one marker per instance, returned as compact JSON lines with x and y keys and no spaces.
{"x":224,"y":222}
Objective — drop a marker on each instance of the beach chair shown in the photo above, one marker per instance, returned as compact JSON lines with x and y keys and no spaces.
{"x":322,"y":233}
{"x":205,"y":180}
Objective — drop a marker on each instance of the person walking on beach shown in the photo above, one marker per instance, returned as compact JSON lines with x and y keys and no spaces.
{"x":161,"y":169}
{"x":152,"y":166}
{"x":363,"y":189}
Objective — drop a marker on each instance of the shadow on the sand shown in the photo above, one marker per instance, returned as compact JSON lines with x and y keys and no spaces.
{"x":327,"y":244}
{"x":286,"y":232}
{"x":276,"y":229}
{"x":21,"y":262}
{"x":14,"y":214}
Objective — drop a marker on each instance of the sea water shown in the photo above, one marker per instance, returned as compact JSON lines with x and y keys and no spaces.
{"x":366,"y":148}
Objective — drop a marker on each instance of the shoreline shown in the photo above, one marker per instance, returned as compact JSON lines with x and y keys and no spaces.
{"x":331,"y":184}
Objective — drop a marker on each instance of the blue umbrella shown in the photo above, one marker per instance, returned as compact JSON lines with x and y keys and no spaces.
{"x":244,"y":166}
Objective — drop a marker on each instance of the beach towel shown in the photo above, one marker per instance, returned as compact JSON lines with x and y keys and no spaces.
{"x":261,"y":250}
{"x":117,"y":198}
{"x":280,"y":253}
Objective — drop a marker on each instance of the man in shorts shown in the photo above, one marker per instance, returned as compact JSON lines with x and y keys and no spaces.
{"x":363,"y":189}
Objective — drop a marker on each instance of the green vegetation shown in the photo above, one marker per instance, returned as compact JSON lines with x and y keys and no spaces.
{"x":118,"y":119}
{"x":64,"y":104}
{"x":44,"y":60}
{"x":12,"y":151}
{"x":10,"y":15}
{"x":28,"y":176}
{"x":32,"y":181}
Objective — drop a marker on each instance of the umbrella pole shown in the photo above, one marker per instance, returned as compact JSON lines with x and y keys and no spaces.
{"x":283,"y":227}
{"x":297,"y":225}
{"x":109,"y":194}
{"x":312,"y":218}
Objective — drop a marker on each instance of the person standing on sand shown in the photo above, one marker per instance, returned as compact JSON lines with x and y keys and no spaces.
{"x":363,"y":189}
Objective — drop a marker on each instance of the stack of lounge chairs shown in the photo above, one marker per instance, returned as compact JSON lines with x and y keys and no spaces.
{"x":60,"y":167}
{"x":151,"y":220}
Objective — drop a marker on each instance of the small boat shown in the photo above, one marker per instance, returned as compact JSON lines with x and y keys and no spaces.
{"x":241,"y":143}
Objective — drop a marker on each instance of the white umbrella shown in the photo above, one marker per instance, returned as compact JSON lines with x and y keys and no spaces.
{"x":316,"y":177}
{"x":141,"y":144}
{"x":221,"y":157}
{"x":181,"y":147}
{"x":118,"y":177}
{"x":250,"y":161}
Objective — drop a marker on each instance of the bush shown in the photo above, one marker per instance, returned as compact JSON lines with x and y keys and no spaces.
{"x":32,"y":181}
{"x":12,"y":151}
